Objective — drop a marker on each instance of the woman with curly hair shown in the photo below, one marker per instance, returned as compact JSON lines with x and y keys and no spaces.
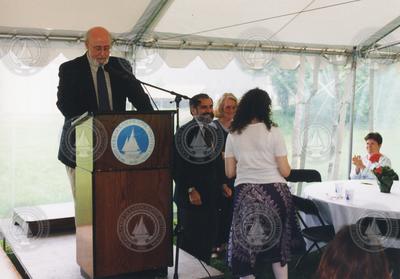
{"x":264,"y":227}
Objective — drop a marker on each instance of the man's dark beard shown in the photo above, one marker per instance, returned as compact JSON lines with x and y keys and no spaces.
{"x":205,"y":117}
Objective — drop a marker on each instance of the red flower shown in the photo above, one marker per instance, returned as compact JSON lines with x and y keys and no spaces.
{"x":375,"y":157}
{"x":378,"y":170}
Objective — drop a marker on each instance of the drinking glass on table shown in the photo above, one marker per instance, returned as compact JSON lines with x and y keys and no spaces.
{"x":349,"y":194}
{"x":339,"y":189}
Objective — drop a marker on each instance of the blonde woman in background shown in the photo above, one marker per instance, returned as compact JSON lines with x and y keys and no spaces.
{"x":224,"y":112}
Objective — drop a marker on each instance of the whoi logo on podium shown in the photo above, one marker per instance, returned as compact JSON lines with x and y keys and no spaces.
{"x":141,"y":227}
{"x":132,"y":142}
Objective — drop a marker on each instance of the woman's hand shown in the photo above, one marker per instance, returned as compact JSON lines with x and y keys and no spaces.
{"x":357,"y":161}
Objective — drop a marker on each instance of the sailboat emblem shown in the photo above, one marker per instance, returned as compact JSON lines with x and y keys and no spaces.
{"x":375,"y":230}
{"x":316,"y":141}
{"x":256,"y":234}
{"x":26,"y":55}
{"x":140,"y":233}
{"x":199,"y":145}
{"x":199,"y":142}
{"x":258,"y":227}
{"x":83,"y":145}
{"x":141,"y":227}
{"x":132,"y":141}
{"x":131,"y":146}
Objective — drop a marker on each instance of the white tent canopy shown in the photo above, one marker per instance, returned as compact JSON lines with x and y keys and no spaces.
{"x":224,"y":24}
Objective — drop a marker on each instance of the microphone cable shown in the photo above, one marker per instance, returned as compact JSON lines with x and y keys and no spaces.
{"x":151,"y":98}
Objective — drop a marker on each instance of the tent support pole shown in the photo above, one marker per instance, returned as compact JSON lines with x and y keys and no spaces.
{"x":354,"y":72}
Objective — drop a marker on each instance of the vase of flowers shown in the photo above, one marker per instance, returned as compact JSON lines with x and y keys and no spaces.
{"x":385,"y":176}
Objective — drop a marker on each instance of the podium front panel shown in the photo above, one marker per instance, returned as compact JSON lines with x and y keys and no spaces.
{"x":124,"y":193}
{"x":84,"y":220}
{"x":133,"y":221}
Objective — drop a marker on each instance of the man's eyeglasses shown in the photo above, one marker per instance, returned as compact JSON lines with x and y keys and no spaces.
{"x":101,"y":48}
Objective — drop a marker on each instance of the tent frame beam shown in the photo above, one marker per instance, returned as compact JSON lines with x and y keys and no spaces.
{"x":148,"y":19}
{"x":215,"y":45}
{"x":234,"y":45}
{"x":371,"y":43}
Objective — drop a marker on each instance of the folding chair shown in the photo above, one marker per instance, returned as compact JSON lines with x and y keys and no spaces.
{"x":322,"y":233}
{"x":303,"y":175}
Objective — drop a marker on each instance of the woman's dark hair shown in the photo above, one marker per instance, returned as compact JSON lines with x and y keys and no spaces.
{"x":256,"y":103}
{"x":374,"y":136}
{"x":344,"y":259}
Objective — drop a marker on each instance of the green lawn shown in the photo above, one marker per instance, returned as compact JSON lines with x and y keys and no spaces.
{"x":30,"y":172}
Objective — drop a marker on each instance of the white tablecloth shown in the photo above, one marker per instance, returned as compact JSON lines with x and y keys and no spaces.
{"x":368,"y":201}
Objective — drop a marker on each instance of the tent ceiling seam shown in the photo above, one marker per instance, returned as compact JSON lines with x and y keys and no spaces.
{"x":263,"y":19}
{"x":291,"y":20}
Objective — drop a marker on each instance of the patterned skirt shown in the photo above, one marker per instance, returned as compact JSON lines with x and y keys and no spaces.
{"x":264,"y":227}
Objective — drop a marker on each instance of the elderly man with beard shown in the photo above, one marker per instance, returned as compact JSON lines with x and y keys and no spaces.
{"x":198,"y":174}
{"x":94,"y":82}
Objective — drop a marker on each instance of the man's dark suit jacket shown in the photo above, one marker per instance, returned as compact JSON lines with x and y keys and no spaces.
{"x":198,"y":221}
{"x":76,"y":95}
{"x":206,"y":178}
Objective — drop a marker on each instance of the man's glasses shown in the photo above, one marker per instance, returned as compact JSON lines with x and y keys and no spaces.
{"x":101,"y":48}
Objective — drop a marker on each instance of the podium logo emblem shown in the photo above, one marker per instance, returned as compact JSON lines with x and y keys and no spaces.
{"x":141,"y":227}
{"x":132,"y":142}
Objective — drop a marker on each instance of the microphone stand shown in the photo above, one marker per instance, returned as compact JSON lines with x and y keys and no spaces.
{"x":178,"y":228}
{"x":178,"y":99}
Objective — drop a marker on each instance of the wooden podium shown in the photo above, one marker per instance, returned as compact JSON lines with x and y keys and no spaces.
{"x":124,"y":193}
